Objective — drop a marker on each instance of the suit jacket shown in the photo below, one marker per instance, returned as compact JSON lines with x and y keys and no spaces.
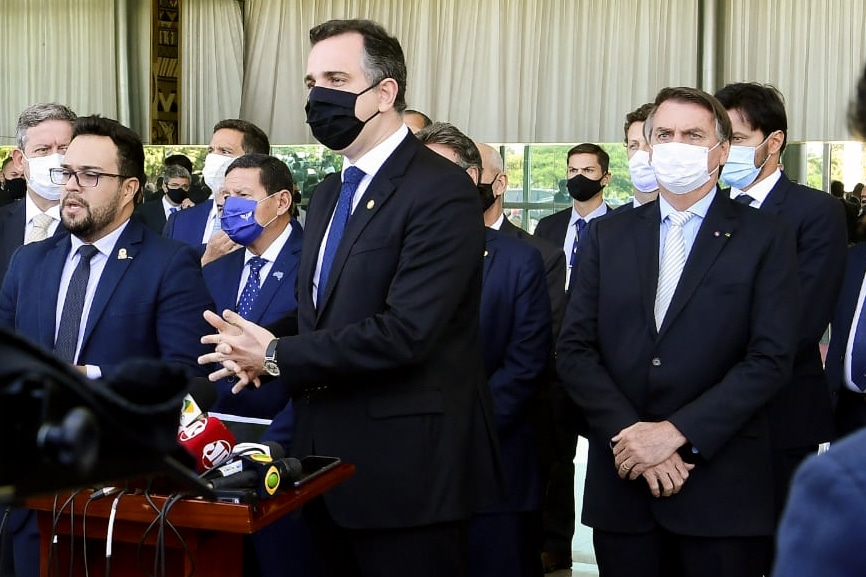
{"x":516,"y":342}
{"x":152,"y":214}
{"x":843,"y":316}
{"x":12,"y":225}
{"x":802,"y":416}
{"x":388,"y":367}
{"x":188,"y":225}
{"x":554,"y":227}
{"x":554,"y":268}
{"x":822,"y":529}
{"x":725,"y":348}
{"x":276,"y":299}
{"x":148,"y":305}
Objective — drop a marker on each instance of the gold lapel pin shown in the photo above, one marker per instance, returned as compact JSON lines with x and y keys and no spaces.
{"x":371,"y":204}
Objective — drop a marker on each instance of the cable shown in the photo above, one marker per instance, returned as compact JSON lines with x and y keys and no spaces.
{"x":52,"y":556}
{"x":84,"y":536}
{"x":3,"y":523}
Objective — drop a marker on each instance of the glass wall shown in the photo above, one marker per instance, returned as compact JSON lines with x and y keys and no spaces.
{"x":536,"y":172}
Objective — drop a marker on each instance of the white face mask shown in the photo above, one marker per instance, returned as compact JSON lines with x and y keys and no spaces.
{"x":40,"y":178}
{"x":681,"y":168}
{"x":214,"y":170}
{"x":643,"y":178}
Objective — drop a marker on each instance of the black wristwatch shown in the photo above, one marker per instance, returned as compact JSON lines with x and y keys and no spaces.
{"x":271,"y":367}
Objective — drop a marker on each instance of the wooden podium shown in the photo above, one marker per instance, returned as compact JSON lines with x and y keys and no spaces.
{"x":212,"y":531}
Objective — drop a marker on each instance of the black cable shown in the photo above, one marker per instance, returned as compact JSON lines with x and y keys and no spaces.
{"x":148,"y":529}
{"x":84,"y":535}
{"x":187,"y":553}
{"x":52,"y":556}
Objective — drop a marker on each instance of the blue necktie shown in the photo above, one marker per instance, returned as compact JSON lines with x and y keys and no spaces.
{"x":858,"y":353}
{"x":73,"y":306}
{"x":581,"y":226}
{"x":351,"y":179}
{"x":172,"y":210}
{"x":251,"y":289}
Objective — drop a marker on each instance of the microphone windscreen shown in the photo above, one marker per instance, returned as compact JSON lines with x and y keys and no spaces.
{"x":208,"y":441}
{"x":204,"y":392}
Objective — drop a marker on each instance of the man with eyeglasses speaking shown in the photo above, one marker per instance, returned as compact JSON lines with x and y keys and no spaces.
{"x":107,"y":288}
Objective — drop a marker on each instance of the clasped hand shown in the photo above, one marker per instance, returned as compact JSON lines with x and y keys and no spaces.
{"x":239,"y":346}
{"x":649,"y":450}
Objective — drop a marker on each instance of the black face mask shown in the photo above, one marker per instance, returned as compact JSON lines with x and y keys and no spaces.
{"x":487,"y":196}
{"x":582,"y":188}
{"x":331,"y":116}
{"x":16,"y":188}
{"x":176,"y":195}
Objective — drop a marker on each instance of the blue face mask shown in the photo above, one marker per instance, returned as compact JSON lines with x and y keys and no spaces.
{"x":740,"y":170}
{"x":239,"y":219}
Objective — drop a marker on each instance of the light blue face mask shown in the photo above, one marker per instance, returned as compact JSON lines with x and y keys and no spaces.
{"x":740,"y":170}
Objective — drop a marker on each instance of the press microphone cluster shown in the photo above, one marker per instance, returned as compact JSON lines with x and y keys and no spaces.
{"x":205,"y":438}
{"x":261,"y":472}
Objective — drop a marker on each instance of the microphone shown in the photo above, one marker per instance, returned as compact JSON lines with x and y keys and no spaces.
{"x":235,"y":464}
{"x":209,"y":442}
{"x":261,"y":473}
{"x":201,"y":398}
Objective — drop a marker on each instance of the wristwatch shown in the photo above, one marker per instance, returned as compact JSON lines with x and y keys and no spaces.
{"x":270,"y":365}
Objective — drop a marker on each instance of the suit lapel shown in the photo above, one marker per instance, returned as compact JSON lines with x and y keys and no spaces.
{"x":13,"y":229}
{"x":118,"y":263}
{"x":226,"y":276}
{"x":381,"y":188}
{"x":489,"y":254}
{"x":51,"y":269}
{"x":776,"y":198}
{"x":712,"y":236}
{"x":647,"y":235}
{"x":282,"y":268}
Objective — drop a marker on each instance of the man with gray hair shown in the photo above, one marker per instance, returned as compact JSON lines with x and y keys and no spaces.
{"x":175,"y":188}
{"x":44,"y":132}
{"x":516,"y":338}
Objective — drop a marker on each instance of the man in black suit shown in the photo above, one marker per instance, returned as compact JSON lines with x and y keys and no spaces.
{"x":44,"y":132}
{"x":383,"y":356}
{"x":587,"y":176}
{"x":175,"y":188}
{"x":682,"y":326}
{"x":801,"y":417}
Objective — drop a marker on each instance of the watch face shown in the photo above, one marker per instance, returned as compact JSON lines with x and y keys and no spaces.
{"x":272,"y":369}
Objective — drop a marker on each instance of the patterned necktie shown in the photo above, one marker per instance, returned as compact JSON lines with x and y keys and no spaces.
{"x":251,"y":289}
{"x":581,"y":226}
{"x":673,"y":261}
{"x":217,"y":225}
{"x":744,"y":198}
{"x":39,"y":231}
{"x":172,"y":210}
{"x":351,"y":179}
{"x":73,"y":306}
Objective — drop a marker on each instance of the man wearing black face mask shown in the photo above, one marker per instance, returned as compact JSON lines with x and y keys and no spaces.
{"x":587,"y":176}
{"x":175,"y":186}
{"x":383,"y":355}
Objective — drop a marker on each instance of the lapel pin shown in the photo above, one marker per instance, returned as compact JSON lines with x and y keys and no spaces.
{"x":278,"y":275}
{"x":371,"y":204}
{"x":486,"y":252}
{"x":727,"y":235}
{"x":122,"y":255}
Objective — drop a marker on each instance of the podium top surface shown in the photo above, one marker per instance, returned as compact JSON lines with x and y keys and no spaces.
{"x":197,"y":513}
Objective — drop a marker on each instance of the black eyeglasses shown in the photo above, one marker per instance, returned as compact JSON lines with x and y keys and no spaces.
{"x":85,"y":178}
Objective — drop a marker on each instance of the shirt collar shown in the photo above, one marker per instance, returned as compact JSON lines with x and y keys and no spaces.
{"x":498,"y":224}
{"x":104,"y":245}
{"x":600,"y":211}
{"x":699,"y":208}
{"x":373,"y":160}
{"x":761,"y":189}
{"x":273,"y":251}
{"x":31,"y":210}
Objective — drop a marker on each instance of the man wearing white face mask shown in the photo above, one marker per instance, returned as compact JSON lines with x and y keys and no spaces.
{"x":199,"y":225}
{"x":643,"y":180}
{"x":44,"y":132}
{"x":801,"y":417}
{"x":681,"y":327}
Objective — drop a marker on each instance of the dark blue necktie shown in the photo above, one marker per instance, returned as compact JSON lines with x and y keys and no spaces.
{"x":251,"y":289}
{"x":744,"y":198}
{"x":73,"y":306}
{"x":351,"y":179}
{"x":581,"y":226}
{"x":858,"y":353}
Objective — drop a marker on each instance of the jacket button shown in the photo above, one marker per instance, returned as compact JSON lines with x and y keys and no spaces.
{"x":656,"y":362}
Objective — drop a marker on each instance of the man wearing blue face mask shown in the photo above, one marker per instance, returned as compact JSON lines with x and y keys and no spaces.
{"x":801,"y":416}
{"x":44,"y":132}
{"x":681,"y":327}
{"x":259,"y":284}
